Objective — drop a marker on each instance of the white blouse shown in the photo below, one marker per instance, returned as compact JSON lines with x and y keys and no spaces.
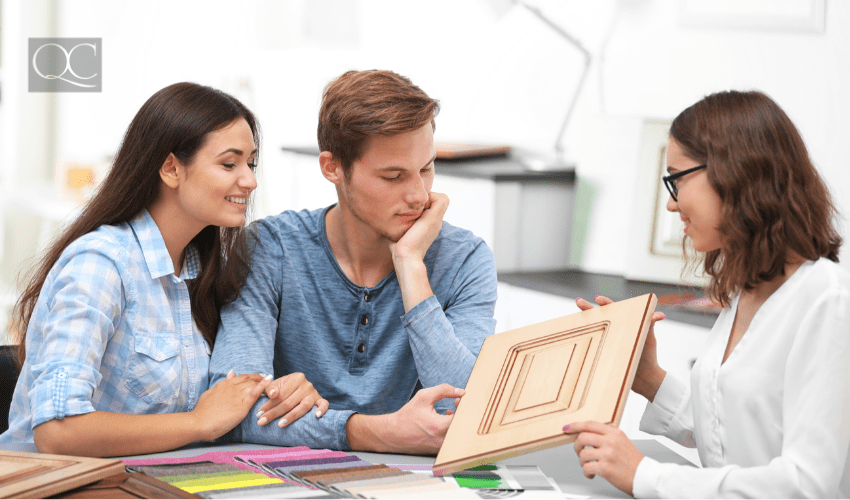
{"x":774,"y":419}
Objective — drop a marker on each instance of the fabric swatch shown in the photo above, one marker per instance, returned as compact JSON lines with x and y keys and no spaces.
{"x":316,"y":475}
{"x":412,"y":467}
{"x":218,"y":474}
{"x":219,"y":481}
{"x":180,"y":469}
{"x":377,"y":481}
{"x":281,"y":490}
{"x":296,"y":473}
{"x":220,"y":457}
{"x":328,"y":482}
{"x":258,"y":459}
{"x":314,"y":461}
{"x":301,"y":472}
{"x":409,"y":483}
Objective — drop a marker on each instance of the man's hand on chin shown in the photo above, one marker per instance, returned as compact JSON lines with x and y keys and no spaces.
{"x":418,"y":239}
{"x":409,"y":252}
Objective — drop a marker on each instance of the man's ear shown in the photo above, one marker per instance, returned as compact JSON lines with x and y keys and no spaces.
{"x":169,"y":171}
{"x":331,"y":168}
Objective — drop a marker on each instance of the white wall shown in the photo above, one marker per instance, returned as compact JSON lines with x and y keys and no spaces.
{"x":500,"y":79}
{"x":654,"y":67}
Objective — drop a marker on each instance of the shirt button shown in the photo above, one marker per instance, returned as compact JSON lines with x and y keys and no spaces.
{"x":367,"y":297}
{"x":364,"y":320}
{"x":361,"y":348}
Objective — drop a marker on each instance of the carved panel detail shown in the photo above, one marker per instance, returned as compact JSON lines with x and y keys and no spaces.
{"x":530,"y":382}
{"x":542,"y":376}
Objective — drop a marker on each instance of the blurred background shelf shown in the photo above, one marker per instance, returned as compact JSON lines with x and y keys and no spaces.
{"x":574,"y":284}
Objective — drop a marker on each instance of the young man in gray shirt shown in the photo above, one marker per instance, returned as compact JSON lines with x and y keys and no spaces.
{"x":370,"y":298}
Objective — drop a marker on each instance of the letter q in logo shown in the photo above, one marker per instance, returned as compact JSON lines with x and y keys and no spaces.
{"x":65,"y":65}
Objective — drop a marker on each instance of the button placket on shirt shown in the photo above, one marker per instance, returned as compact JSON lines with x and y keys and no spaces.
{"x":187,"y":336}
{"x":364,"y":325}
{"x":715,"y":417}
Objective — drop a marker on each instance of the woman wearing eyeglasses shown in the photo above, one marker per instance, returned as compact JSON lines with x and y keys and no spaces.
{"x":768,"y":403}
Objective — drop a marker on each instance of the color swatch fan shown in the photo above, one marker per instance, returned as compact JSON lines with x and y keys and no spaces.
{"x":528,"y":383}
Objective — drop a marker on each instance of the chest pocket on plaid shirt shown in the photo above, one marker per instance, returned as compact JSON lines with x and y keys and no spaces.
{"x":155,"y":367}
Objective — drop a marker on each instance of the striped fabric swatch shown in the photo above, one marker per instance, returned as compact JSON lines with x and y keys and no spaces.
{"x":219,"y":475}
{"x":211,"y":480}
{"x":281,"y":463}
{"x":257,"y":458}
{"x":296,"y":473}
{"x":219,"y":457}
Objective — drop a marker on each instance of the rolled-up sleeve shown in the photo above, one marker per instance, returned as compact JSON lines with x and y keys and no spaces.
{"x":74,"y":320}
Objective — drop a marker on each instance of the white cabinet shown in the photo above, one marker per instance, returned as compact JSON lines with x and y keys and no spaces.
{"x":525,"y":217}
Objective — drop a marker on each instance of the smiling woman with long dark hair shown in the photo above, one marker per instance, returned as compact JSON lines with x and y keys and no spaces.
{"x":118,"y":318}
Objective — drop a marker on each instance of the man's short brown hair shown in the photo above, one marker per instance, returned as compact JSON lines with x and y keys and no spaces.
{"x":360,"y":104}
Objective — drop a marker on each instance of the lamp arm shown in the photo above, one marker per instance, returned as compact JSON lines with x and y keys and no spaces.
{"x":559,"y":149}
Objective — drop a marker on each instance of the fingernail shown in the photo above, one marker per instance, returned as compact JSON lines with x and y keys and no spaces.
{"x":578,"y":299}
{"x":268,"y":377}
{"x":282,"y":422}
{"x":665,"y":316}
{"x":262,"y":421}
{"x":273,"y":393}
{"x":260,"y":413}
{"x":566,"y":428}
{"x":596,"y":296}
{"x":318,"y":414}
{"x":231,"y":372}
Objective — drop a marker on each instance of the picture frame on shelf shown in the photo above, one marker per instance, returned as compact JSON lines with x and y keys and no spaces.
{"x":655,"y":236}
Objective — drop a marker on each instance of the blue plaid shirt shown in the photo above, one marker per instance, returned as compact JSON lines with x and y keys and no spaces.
{"x":112,"y":330}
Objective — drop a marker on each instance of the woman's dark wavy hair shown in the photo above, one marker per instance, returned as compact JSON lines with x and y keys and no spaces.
{"x":774,"y":201}
{"x":176,"y":119}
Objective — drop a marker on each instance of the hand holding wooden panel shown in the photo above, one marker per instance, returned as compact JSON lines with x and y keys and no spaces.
{"x":530,"y":382}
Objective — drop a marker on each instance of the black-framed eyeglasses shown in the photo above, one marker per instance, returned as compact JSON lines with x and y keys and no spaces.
{"x":671,"y":182}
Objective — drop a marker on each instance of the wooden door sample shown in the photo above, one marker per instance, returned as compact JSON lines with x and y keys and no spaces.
{"x":38,"y":475}
{"x":128,"y":485}
{"x":528,"y":383}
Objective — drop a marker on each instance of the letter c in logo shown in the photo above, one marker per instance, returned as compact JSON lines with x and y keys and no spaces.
{"x":68,"y":68}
